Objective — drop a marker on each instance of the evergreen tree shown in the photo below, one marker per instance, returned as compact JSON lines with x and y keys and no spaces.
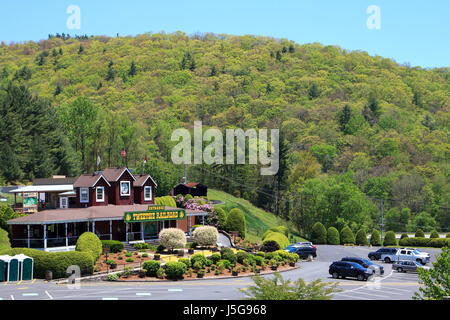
{"x":313,"y":91}
{"x":213,"y":71}
{"x":58,"y":89}
{"x":81,"y":49}
{"x":278,"y":55}
{"x":111,"y":74}
{"x":344,"y":117}
{"x":132,"y":71}
{"x":61,"y":51}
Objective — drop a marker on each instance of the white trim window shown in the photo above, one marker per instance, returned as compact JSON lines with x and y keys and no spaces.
{"x":148,"y":193}
{"x":84,"y":195}
{"x":100,"y":196}
{"x":125,"y":188}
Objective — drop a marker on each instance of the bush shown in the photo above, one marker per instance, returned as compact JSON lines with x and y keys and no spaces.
{"x":175,"y":270}
{"x":270,"y":246}
{"x":160,"y":274}
{"x":389,"y":239}
{"x":186,"y":261}
{"x":226,"y":264}
{"x":319,"y":233}
{"x":424,"y":242}
{"x":89,"y":242}
{"x":279,"y":238}
{"x":206,"y":235}
{"x":333,"y":236}
{"x":347,"y":236}
{"x":404,"y":235}
{"x":113,"y":245}
{"x":221,"y":218}
{"x":434,"y":234}
{"x":284,"y":230}
{"x":448,"y":235}
{"x":172,"y":238}
{"x":151,"y":267}
{"x":267,"y":232}
{"x":198,"y":257}
{"x":228,"y":254}
{"x":57,"y":262}
{"x":241,"y":256}
{"x":419,"y":234}
{"x":258,"y":259}
{"x":112,"y":277}
{"x":375,"y":238}
{"x":215,"y":257}
{"x":439,"y":242}
{"x":236,"y":222}
{"x":141,"y":246}
{"x":129,"y":260}
{"x":361,"y":238}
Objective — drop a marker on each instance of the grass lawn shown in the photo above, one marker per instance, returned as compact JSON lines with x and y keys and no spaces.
{"x":4,"y":240}
{"x":257,"y":220}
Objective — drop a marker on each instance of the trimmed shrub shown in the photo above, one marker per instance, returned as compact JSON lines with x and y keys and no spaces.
{"x":225,"y":263}
{"x":258,"y":259}
{"x":419,"y":234}
{"x":375,"y":238}
{"x":319,"y":233}
{"x":57,"y":262}
{"x":333,"y":236}
{"x":270,"y":246}
{"x":434,"y":234}
{"x":221,"y":218}
{"x":425,"y":242}
{"x":241,"y":256}
{"x":267,"y":232}
{"x":389,"y":239}
{"x":151,"y":267}
{"x":439,"y":242}
{"x":403,"y":236}
{"x":228,"y":254}
{"x":160,"y":274}
{"x":172,"y":238}
{"x":347,"y":236}
{"x":279,"y":238}
{"x":236,"y":222}
{"x":89,"y":242}
{"x":215,"y":257}
{"x":186,"y":261}
{"x":167,"y":201}
{"x":206,"y":235}
{"x":361,"y":238}
{"x":112,"y":277}
{"x":198,"y":257}
{"x":175,"y":270}
{"x":113,"y":245}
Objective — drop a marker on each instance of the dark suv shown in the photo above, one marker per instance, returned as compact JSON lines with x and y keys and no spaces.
{"x":376,"y":255}
{"x":366,"y":264}
{"x":305,"y":252}
{"x":345,"y":269}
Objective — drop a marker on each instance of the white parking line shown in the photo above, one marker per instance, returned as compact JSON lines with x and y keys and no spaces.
{"x":12,"y":297}
{"x":30,"y":294}
{"x":351,"y":296}
{"x":143,"y":293}
{"x":387,"y":290}
{"x":402,"y":290}
{"x":174,"y":289}
{"x":370,"y":294}
{"x":110,"y":298}
{"x":48,"y":294}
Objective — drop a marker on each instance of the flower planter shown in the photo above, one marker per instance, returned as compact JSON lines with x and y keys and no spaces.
{"x":274,"y":268}
{"x":191,"y":251}
{"x":292,"y":264}
{"x":113,"y":265}
{"x":200,"y":275}
{"x":156,"y":257}
{"x":234,"y":273}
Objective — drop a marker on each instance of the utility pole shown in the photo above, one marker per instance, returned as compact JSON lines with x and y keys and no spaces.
{"x":381,"y":224}
{"x":185,"y":176}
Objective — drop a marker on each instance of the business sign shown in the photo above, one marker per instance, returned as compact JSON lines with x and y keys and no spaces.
{"x":154,"y":215}
{"x":30,"y":203}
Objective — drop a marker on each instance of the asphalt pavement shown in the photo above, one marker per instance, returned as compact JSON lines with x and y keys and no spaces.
{"x":391,"y":286}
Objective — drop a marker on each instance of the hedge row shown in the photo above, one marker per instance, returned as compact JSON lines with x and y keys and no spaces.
{"x":424,"y":242}
{"x":113,"y":245}
{"x":89,"y":242}
{"x":57,"y":262}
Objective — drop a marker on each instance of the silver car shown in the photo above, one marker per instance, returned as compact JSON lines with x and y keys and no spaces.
{"x":408,"y":265}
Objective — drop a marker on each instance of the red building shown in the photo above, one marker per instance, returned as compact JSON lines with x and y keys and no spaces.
{"x":100,"y":201}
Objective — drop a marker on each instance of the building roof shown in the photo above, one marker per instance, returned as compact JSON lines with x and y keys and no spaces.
{"x":113,"y":174}
{"x":53,"y":181}
{"x":141,"y":179}
{"x":89,"y":180}
{"x":47,"y":188}
{"x":109,"y":212}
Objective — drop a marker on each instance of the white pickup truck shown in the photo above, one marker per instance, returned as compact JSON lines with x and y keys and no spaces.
{"x":403,"y":254}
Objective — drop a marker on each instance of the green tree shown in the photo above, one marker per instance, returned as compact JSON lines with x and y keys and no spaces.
{"x":389,"y":239}
{"x":344,"y":117}
{"x":277,"y":288}
{"x":435,"y":284}
{"x":325,"y":154}
{"x":333,"y":236}
{"x":361,"y":237}
{"x":236,"y":221}
{"x":132,"y":71}
{"x":347,"y":236}
{"x":375,"y":238}
{"x":319,"y":233}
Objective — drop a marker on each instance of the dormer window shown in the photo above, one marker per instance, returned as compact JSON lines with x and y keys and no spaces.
{"x":147,"y":193}
{"x":125,"y":188}
{"x":84,"y":195}
{"x":100,"y":194}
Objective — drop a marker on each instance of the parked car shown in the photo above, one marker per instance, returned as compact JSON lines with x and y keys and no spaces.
{"x":418,"y":250}
{"x":366,"y":264}
{"x":349,"y":269}
{"x":290,"y":247}
{"x":407,"y":254}
{"x":305,"y":252}
{"x":407,"y":265}
{"x":376,"y":255}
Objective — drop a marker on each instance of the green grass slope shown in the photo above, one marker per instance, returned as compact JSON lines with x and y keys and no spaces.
{"x":4,"y":240}
{"x":257,"y":220}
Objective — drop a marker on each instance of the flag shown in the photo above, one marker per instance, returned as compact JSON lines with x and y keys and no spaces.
{"x":123,"y":153}
{"x":98,"y":160}
{"x":145,"y":159}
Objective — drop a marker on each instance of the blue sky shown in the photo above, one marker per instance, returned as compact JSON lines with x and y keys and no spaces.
{"x":417,"y":32}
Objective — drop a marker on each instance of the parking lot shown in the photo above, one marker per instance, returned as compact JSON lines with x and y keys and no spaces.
{"x":392,"y":286}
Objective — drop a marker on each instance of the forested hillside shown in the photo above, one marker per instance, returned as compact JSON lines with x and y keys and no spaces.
{"x":354,"y":128}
